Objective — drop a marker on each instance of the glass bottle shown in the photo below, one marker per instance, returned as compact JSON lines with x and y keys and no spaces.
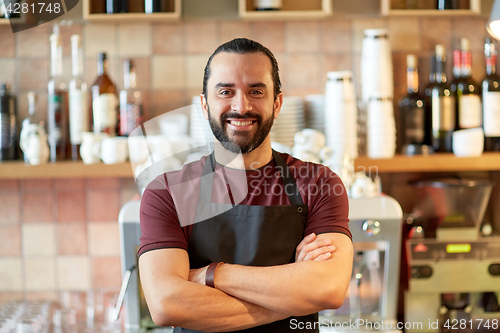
{"x":155,"y":6}
{"x":131,"y":112}
{"x":442,"y":106}
{"x":104,"y":100}
{"x":468,"y":93}
{"x":116,"y":6}
{"x":412,"y":111}
{"x":428,"y":101}
{"x":447,"y":4}
{"x":78,"y":120}
{"x":33,"y":117}
{"x":57,"y":112}
{"x":8,"y":124}
{"x":491,"y":99}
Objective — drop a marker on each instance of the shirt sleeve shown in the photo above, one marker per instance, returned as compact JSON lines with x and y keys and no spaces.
{"x":160,"y":227}
{"x":329,"y":208}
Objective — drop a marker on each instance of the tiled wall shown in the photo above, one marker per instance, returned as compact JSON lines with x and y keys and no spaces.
{"x":63,"y":234}
{"x":60,"y":234}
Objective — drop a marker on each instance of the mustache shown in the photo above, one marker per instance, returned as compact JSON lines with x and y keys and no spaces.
{"x":236,"y":115}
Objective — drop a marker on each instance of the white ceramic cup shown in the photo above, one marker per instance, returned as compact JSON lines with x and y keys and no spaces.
{"x":114,"y":150}
{"x":90,"y":148}
{"x":468,"y":142}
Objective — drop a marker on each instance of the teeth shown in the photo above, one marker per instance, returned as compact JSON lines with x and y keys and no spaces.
{"x":240,"y":123}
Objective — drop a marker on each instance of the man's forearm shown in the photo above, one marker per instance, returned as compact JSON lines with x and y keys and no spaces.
{"x":294,"y":289}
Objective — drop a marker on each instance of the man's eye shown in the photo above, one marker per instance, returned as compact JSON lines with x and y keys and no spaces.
{"x":224,"y":92}
{"x":256,"y":92}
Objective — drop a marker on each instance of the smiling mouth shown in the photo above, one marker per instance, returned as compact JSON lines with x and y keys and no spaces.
{"x":240,"y":123}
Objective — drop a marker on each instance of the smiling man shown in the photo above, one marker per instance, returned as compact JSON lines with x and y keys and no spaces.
{"x":263,"y":259}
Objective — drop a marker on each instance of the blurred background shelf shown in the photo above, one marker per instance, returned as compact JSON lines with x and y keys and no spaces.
{"x":398,"y":164}
{"x":93,"y":11}
{"x":425,"y":8}
{"x":292,"y":9}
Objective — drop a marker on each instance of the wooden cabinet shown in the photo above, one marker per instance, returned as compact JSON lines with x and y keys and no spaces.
{"x":93,"y":10}
{"x":428,"y":8}
{"x":292,"y":9}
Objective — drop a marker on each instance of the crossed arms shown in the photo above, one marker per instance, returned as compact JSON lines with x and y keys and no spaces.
{"x":246,"y":296}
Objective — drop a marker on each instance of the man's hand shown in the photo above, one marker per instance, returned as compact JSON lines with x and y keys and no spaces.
{"x":314,"y":249}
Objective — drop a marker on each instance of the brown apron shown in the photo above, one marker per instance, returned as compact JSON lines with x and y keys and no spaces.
{"x":250,"y":236}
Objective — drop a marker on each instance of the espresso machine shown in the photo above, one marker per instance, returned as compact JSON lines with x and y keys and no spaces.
{"x":454,"y":273}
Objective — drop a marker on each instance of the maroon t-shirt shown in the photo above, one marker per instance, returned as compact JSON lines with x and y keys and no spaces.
{"x":168,"y":205}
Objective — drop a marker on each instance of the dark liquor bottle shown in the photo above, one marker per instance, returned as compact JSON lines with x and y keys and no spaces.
{"x":8,"y":124}
{"x":104,"y":100}
{"x":442,"y":106}
{"x":491,"y":99}
{"x":412,"y":111}
{"x":468,"y":113}
{"x":131,"y":113}
{"x":447,"y":4}
{"x":155,"y":6}
{"x":428,"y":102}
{"x":78,"y":120}
{"x":57,"y":112}
{"x":116,"y":6}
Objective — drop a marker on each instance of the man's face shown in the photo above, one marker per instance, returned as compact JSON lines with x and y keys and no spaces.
{"x":240,"y":103}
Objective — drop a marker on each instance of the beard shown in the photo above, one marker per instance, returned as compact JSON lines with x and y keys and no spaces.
{"x":241,"y":141}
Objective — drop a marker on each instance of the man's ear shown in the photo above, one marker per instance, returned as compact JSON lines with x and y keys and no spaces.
{"x":204,"y":106}
{"x":278,"y":102}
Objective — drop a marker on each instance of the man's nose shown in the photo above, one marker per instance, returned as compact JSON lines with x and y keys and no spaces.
{"x":241,"y":103}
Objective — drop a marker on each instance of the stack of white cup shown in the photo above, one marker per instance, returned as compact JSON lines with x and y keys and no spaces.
{"x":341,"y":126}
{"x":377,"y":92}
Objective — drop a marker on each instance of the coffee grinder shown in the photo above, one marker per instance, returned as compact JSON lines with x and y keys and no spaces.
{"x":454,"y":273}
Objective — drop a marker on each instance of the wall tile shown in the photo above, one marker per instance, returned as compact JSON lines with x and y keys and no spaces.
{"x":7,"y":42}
{"x":40,"y":274}
{"x":66,"y":32}
{"x":104,"y":183}
{"x":201,"y":37}
{"x":335,"y":62}
{"x":128,"y":191}
{"x":168,"y":39}
{"x":478,"y":66}
{"x":303,"y":70}
{"x":168,"y":72}
{"x":169,"y":100}
{"x":73,"y":272}
{"x":33,"y":44}
{"x":6,"y":296}
{"x":429,"y":36}
{"x":335,"y":36}
{"x":135,"y":40}
{"x":302,"y":37}
{"x":270,"y":34}
{"x":10,"y":241}
{"x":99,"y":38}
{"x":195,"y":66}
{"x":234,"y":29}
{"x":104,"y":239}
{"x":38,"y":207}
{"x":37,"y":184}
{"x":9,"y":208}
{"x":103,"y":205}
{"x":471,"y":28}
{"x":34,"y":73}
{"x":72,"y":239}
{"x":42,"y":296}
{"x":71,"y":206}
{"x":11,"y":278}
{"x":405,"y":34}
{"x":282,"y":60}
{"x":9,"y":184}
{"x":41,"y":104}
{"x":359,"y":26}
{"x":71,"y":184}
{"x":142,"y":70}
{"x":38,"y":240}
{"x":8,"y":72}
{"x":106,"y":272}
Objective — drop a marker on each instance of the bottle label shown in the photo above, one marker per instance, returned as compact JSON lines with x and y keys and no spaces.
{"x":104,"y":112}
{"x":78,"y":121}
{"x":443,"y":112}
{"x":414,"y":130}
{"x":469,"y":110}
{"x":130,"y":118}
{"x":55,"y":115}
{"x":5,"y":131}
{"x":491,"y":107}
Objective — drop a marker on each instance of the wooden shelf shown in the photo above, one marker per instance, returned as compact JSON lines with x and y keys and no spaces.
{"x":387,"y":10}
{"x":131,"y":17}
{"x":398,"y":164}
{"x":65,"y":169}
{"x":292,"y":9}
{"x":429,"y":163}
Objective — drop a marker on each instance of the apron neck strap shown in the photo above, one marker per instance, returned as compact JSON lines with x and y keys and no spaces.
{"x":291,"y":188}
